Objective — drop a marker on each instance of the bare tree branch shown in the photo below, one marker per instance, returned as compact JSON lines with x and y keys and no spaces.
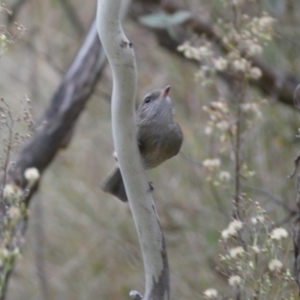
{"x":121,"y":58}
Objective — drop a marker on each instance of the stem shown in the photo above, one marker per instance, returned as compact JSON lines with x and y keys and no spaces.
{"x":240,"y":92}
{"x":8,"y":148}
{"x":237,"y":150}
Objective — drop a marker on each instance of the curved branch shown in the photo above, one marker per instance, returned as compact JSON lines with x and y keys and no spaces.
{"x":121,"y":57}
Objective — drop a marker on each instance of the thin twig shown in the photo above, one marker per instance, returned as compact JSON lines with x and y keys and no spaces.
{"x":272,"y":198}
{"x":240,"y":93}
{"x":9,"y":124}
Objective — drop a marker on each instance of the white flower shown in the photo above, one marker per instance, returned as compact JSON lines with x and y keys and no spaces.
{"x":224,"y":176}
{"x":219,"y":105}
{"x":3,"y":37}
{"x":275,"y":265}
{"x":206,"y":109}
{"x":191,"y":52}
{"x":210,"y":293}
{"x":5,"y":253}
{"x":183,"y":47}
{"x":235,"y":225}
{"x":250,"y":107}
{"x":255,"y":249}
{"x":204,"y":51}
{"x":278,"y":234}
{"x":260,"y":218}
{"x":226,"y":234}
{"x":220,"y":64}
{"x":10,"y":191}
{"x":211,"y":164}
{"x":235,"y":252}
{"x":188,"y":53}
{"x":246,"y":107}
{"x":255,"y":73}
{"x":266,"y":21}
{"x":234,"y":280}
{"x":232,"y":229}
{"x":254,"y":220}
{"x":31,"y":175}
{"x":240,"y":65}
{"x":16,"y":251}
{"x":208,"y":130}
{"x":250,"y":173}
{"x":223,"y":125}
{"x":14,"y":213}
{"x":254,"y":49}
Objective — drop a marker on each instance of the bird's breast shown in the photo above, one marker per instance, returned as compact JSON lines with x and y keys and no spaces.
{"x":160,"y":145}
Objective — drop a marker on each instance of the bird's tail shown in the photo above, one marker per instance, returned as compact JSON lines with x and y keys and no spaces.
{"x":114,"y":185}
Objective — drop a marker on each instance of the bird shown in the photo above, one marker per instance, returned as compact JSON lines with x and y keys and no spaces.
{"x":159,"y":138}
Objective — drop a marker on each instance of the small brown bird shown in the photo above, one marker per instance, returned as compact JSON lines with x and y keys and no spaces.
{"x":159,"y":137}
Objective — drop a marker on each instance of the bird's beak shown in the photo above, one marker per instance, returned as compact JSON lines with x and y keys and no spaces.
{"x":165,"y":92}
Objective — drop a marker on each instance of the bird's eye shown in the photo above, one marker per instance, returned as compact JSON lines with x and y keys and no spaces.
{"x":147,"y":99}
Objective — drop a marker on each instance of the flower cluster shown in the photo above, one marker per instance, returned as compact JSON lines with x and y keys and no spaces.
{"x":32,"y":175}
{"x":242,"y":43}
{"x":5,"y":37}
{"x":232,"y":230}
{"x":278,"y":234}
{"x":252,"y":107}
{"x":201,"y":53}
{"x":210,"y":294}
{"x":239,"y":43}
{"x":252,"y":255}
{"x":212,"y":167}
{"x":13,"y":196}
{"x":211,"y":164}
{"x":218,"y":112}
{"x":252,"y":259}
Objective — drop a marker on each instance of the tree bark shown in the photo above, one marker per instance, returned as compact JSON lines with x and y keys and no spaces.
{"x":121,"y":58}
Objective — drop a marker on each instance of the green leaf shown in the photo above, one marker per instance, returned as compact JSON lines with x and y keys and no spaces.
{"x":180,"y":17}
{"x":162,"y":20}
